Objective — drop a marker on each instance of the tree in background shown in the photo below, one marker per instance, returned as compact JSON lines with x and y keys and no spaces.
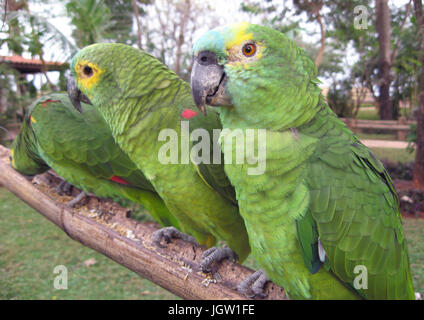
{"x":169,"y":29}
{"x":275,"y":14}
{"x":92,"y":19}
{"x":136,"y":11}
{"x":313,"y":10}
{"x":382,"y":26}
{"x":29,"y":33}
{"x":380,"y":67}
{"x":121,"y":26}
{"x":418,"y":175}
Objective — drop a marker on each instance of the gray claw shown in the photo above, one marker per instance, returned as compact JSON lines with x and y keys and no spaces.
{"x":254,"y":283}
{"x":76,"y":200}
{"x":214,"y":255}
{"x":168,"y":233}
{"x":64,"y":188}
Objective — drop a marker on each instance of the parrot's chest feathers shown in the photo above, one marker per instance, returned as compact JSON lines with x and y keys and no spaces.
{"x":262,"y":161}
{"x":271,"y":201}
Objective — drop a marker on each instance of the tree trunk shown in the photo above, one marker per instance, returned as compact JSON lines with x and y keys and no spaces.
{"x":320,"y":54}
{"x":137,"y":19}
{"x":419,"y":153}
{"x":383,"y":31}
{"x":180,"y":40}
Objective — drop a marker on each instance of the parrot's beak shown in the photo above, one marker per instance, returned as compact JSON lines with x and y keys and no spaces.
{"x":208,"y":82}
{"x":75,"y":95}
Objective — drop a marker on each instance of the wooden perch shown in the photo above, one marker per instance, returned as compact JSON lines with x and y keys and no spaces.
{"x":108,"y":230}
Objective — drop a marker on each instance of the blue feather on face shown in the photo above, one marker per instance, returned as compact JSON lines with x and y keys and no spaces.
{"x":213,"y":40}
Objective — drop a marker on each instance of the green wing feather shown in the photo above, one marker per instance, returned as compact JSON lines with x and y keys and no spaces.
{"x":355,"y":207}
{"x":308,"y":238}
{"x":81,"y":149}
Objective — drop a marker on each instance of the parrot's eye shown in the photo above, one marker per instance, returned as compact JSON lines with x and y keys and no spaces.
{"x":249,"y":49}
{"x":88,"y":71}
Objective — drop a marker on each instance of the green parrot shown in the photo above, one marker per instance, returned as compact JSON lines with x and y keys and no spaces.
{"x":322,"y":218}
{"x":141,"y":100}
{"x":81,"y":149}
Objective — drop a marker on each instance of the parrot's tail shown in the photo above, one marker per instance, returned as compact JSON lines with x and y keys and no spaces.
{"x":154,"y":205}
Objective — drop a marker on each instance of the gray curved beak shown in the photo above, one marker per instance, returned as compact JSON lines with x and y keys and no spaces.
{"x":208,"y":82}
{"x":75,"y":95}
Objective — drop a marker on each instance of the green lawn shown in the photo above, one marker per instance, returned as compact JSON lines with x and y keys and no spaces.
{"x":376,"y":136}
{"x":368,"y":114}
{"x":394,"y":155}
{"x":31,"y":247}
{"x":414,"y":230}
{"x":372,"y":113}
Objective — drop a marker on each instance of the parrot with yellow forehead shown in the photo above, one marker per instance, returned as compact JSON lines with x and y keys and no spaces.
{"x":323,"y":218}
{"x":139,"y":97}
{"x":81,"y":149}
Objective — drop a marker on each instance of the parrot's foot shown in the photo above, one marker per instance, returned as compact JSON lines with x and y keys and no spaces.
{"x":28,"y":177}
{"x":254,"y":283}
{"x":214,"y":255}
{"x":76,"y":200}
{"x":168,"y":233}
{"x":64,"y":188}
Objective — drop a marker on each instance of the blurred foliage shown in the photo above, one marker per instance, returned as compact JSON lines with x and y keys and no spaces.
{"x":15,"y":94}
{"x":339,"y":98}
{"x":411,"y":138}
{"x":274,"y":14}
{"x":92,"y":19}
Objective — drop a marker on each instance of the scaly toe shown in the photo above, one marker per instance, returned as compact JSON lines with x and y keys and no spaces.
{"x":215,"y":255}
{"x":255,"y":283}
{"x":168,"y":233}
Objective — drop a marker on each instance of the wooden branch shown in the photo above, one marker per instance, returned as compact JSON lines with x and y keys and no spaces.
{"x":108,"y":230}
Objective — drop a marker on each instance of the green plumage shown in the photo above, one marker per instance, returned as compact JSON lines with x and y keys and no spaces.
{"x":139,"y":97}
{"x":81,"y":149}
{"x":321,"y":185}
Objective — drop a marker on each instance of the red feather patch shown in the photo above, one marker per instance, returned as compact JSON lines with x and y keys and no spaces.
{"x":118,"y":180}
{"x":188,"y":114}
{"x":44,"y":103}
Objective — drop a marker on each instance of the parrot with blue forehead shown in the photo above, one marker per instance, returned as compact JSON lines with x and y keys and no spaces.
{"x":139,"y":97}
{"x":80,"y":148}
{"x":322,"y":218}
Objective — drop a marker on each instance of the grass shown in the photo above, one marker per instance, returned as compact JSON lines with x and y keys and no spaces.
{"x":414,"y":231}
{"x":368,"y":114}
{"x":31,"y":247}
{"x":393,"y":155}
{"x":372,"y":113}
{"x":376,"y":136}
